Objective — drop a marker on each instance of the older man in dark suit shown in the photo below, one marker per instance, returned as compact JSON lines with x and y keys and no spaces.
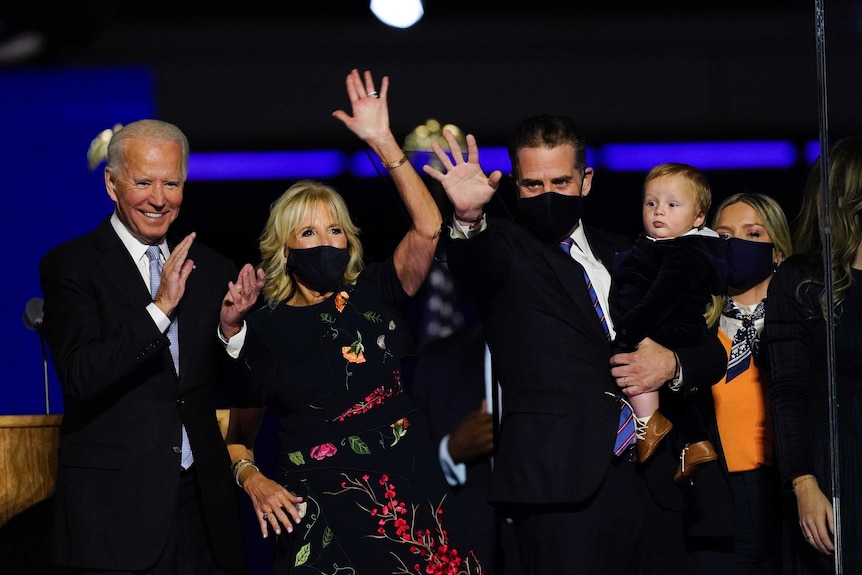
{"x":144,"y":482}
{"x":579,"y":503}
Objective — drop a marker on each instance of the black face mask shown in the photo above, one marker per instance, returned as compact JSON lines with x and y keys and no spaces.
{"x":749,"y":262}
{"x":550,"y":216}
{"x":320,"y":268}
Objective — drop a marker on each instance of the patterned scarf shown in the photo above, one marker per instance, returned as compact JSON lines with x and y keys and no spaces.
{"x":745,"y":342}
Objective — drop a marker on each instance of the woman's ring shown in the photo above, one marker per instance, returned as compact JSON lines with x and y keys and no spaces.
{"x":373,"y":94}
{"x":265,"y":515}
{"x":625,"y":380}
{"x":810,"y":537}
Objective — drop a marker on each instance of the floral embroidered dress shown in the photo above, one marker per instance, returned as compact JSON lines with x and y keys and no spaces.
{"x":351,"y":443}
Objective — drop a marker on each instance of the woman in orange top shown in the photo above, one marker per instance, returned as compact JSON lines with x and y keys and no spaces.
{"x":760,"y":236}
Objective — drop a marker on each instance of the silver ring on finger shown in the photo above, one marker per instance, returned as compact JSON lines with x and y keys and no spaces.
{"x":810,"y":537}
{"x":373,"y":94}
{"x":265,"y":515}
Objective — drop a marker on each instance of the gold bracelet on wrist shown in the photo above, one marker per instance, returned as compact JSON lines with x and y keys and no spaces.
{"x":395,"y":164}
{"x":801,"y":479}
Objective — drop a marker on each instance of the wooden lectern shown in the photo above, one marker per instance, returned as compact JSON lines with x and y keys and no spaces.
{"x":28,"y":461}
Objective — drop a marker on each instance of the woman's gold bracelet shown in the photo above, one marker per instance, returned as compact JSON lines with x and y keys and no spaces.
{"x":799,"y":480}
{"x":395,"y":164}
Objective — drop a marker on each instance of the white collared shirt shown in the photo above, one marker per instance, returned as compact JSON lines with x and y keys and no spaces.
{"x":138,"y":251}
{"x":599,"y":274}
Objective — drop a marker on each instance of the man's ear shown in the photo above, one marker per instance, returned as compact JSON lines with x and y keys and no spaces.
{"x":587,"y":184}
{"x":110,"y":187}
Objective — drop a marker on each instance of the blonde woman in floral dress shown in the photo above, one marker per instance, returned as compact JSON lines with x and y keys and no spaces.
{"x":359,"y":490}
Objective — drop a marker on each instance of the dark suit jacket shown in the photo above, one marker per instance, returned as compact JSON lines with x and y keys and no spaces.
{"x":552,"y":360}
{"x":119,"y":455}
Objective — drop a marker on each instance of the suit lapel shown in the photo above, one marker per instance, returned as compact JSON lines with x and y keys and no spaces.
{"x":571,"y":275}
{"x":119,"y":268}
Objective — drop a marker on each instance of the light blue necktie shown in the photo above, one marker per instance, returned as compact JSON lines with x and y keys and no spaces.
{"x":626,"y":428}
{"x":154,"y":255}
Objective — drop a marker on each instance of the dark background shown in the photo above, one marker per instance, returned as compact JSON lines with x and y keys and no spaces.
{"x":250,"y":77}
{"x":254,"y":77}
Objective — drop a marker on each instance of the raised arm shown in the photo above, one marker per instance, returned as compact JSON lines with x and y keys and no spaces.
{"x":370,"y":121}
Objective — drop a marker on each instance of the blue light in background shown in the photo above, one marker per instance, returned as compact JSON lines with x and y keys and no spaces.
{"x":704,"y":155}
{"x":812,"y":151}
{"x":495,"y":159}
{"x":614,"y":157}
{"x":222,"y":166}
{"x":367,"y":165}
{"x":48,"y":118}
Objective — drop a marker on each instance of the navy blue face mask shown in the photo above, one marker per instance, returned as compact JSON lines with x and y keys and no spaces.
{"x":319,"y":268}
{"x":749,"y":263}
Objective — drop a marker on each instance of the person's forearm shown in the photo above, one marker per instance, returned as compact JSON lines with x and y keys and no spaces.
{"x":424,"y":213}
{"x":239,"y":451}
{"x":387,"y":149}
{"x":469,"y":217}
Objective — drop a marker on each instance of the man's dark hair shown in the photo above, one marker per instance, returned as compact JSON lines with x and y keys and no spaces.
{"x":547,"y":131}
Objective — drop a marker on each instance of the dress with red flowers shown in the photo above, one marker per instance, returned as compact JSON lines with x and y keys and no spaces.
{"x":351,"y":442}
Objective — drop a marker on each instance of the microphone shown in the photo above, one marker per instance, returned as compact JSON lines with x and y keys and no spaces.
{"x":33,"y":315}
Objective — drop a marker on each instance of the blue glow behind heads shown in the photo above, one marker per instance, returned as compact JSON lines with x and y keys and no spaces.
{"x":745,"y":155}
{"x":265,"y":165}
{"x":703,"y":155}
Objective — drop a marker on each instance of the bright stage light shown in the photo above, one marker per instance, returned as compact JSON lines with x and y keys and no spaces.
{"x":398,"y":13}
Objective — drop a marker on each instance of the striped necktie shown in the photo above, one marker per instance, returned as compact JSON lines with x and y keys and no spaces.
{"x":154,"y":255}
{"x":626,"y":427}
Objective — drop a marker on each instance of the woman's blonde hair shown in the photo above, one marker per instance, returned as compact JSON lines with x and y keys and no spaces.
{"x":287,"y":215}
{"x":774,"y":221}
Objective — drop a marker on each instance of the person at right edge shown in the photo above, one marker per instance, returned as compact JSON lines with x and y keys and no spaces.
{"x":737,"y":411}
{"x":795,"y":340}
{"x":576,"y":506}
